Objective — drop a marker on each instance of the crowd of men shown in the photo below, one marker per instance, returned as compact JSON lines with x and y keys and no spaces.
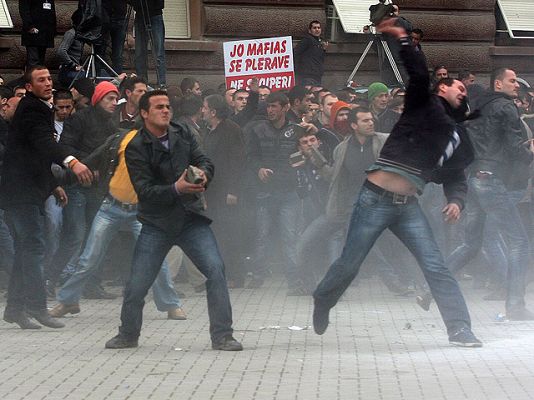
{"x":276,"y":174}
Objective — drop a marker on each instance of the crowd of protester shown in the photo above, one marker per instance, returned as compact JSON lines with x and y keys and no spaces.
{"x":288,"y":166}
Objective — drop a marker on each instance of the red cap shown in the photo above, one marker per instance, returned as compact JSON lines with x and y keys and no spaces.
{"x":101,"y":90}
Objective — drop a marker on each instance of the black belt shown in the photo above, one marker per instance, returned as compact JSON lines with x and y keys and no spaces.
{"x":125,"y":206}
{"x":394,"y":197}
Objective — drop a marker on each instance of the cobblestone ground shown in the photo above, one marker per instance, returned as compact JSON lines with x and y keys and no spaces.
{"x":378,"y":346}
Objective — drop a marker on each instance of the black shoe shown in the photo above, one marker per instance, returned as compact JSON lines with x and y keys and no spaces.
{"x":121,"y":342}
{"x":227,"y":343}
{"x":255,"y":283}
{"x":50,"y":288}
{"x":497,"y":295}
{"x":519,"y":314}
{"x":96,"y":292}
{"x":464,"y":338}
{"x":320,"y":319}
{"x":21,"y":319}
{"x":424,"y":300}
{"x":44,"y":319}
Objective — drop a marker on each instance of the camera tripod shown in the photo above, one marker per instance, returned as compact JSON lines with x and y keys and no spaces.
{"x":382,"y":48}
{"x":89,"y":67}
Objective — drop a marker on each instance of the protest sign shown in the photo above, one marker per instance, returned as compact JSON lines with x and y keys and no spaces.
{"x":270,"y":60}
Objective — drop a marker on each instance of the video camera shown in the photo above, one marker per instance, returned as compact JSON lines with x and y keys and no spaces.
{"x":383,"y":9}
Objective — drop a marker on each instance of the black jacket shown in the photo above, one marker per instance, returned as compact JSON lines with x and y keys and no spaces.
{"x":87,"y":129}
{"x":269,"y":147}
{"x":423,"y":132}
{"x":30,"y":151}
{"x":309,"y":58}
{"x":153,"y":171}
{"x":33,"y":15}
{"x":224,"y":146}
{"x":497,"y":137}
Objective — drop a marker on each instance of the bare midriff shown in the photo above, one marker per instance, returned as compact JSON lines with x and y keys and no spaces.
{"x":392,"y":182}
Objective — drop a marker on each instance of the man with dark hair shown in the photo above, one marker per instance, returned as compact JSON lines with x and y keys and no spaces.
{"x":38,"y":29}
{"x":263,"y":92}
{"x":170,"y":211}
{"x":224,"y":145}
{"x":426,"y":145}
{"x":300,"y":99}
{"x":466,"y":77}
{"x":248,"y":106}
{"x":191,"y":115}
{"x":190,"y":86}
{"x":5,"y":93}
{"x":240,"y":100}
{"x":26,"y":183}
{"x":309,"y":56}
{"x":500,"y":149}
{"x":440,"y":72}
{"x":149,"y":13}
{"x":118,"y":209}
{"x":63,"y":108}
{"x":19,"y":91}
{"x":126,"y":113}
{"x":268,"y":148}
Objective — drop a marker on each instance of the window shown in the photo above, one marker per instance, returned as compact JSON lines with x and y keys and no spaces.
{"x":5,"y":18}
{"x":519,"y":17}
{"x":176,"y":17}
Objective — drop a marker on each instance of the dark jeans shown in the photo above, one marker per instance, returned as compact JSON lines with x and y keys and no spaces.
{"x":488,"y":196}
{"x":78,"y":217}
{"x":227,"y":229}
{"x":199,"y":244}
{"x":7,"y":252}
{"x":158,"y":47}
{"x":26,"y":285}
{"x":118,"y":35}
{"x":373,"y":214}
{"x":277,"y":209}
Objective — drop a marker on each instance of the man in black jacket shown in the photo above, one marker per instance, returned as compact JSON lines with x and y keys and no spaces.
{"x":149,"y":13}
{"x":38,"y":29}
{"x":427,"y":144}
{"x":26,"y":183}
{"x":309,"y":56}
{"x":500,"y":150}
{"x":170,"y":210}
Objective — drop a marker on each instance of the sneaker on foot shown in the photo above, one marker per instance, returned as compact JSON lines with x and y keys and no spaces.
{"x":464,"y":338}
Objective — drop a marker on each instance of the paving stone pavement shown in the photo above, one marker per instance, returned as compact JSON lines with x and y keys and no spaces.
{"x":378,"y":346}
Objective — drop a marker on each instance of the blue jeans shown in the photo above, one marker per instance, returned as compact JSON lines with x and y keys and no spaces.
{"x":158,"y":47}
{"x":78,"y":216}
{"x":373,"y":214}
{"x":488,"y":196}
{"x":105,"y":226}
{"x":7,"y":252}
{"x":198,"y":242}
{"x":53,"y":223}
{"x":277,"y":209}
{"x":26,"y":284}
